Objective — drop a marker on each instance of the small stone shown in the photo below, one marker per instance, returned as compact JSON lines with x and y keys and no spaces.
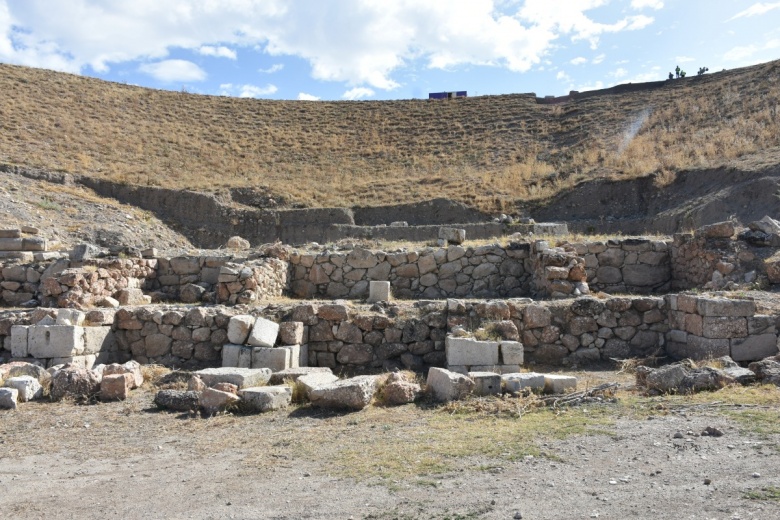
{"x":712,"y":432}
{"x":707,"y":482}
{"x":756,"y":475}
{"x":678,"y":435}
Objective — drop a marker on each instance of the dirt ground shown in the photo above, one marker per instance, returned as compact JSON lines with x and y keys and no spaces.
{"x":639,"y":457}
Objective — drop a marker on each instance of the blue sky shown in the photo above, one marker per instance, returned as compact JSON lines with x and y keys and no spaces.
{"x":385,"y":49}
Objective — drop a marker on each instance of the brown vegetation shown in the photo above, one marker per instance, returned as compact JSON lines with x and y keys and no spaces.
{"x":486,"y":151}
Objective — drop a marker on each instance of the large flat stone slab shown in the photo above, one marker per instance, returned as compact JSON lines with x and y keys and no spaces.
{"x":518,"y":382}
{"x":293,"y":374}
{"x":354,"y":393}
{"x":445,"y":385}
{"x":265,"y":398}
{"x":754,"y":348}
{"x":241,"y":377}
{"x":275,"y":359}
{"x":309,"y":382}
{"x":468,"y":352}
{"x":55,"y":341}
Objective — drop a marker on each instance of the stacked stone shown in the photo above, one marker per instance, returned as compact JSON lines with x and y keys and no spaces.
{"x":253,"y":344}
{"x":560,"y":273}
{"x":247,"y":283}
{"x":705,"y":327}
{"x":631,"y":265}
{"x":172,"y":336}
{"x":15,"y":246}
{"x":85,"y":286}
{"x":19,"y":283}
{"x":335,"y":340}
{"x":190,"y":279}
{"x":429,"y":273}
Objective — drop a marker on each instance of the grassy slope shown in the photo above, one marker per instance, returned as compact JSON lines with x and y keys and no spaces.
{"x":486,"y":151}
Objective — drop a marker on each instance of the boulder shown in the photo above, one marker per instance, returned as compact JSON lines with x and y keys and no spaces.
{"x":241,"y":377}
{"x":177,"y":400}
{"x":238,"y":243}
{"x":21,"y":368}
{"x":681,"y":378}
{"x":77,"y":383}
{"x":214,"y":401}
{"x":28,"y":387}
{"x":265,"y":398}
{"x":196,"y":384}
{"x":400,"y":392}
{"x":8,"y":398}
{"x":766,"y":225}
{"x":354,"y":393}
{"x":116,"y":386}
{"x":131,"y":367}
{"x":452,"y":235}
{"x":448,"y":386}
{"x":767,"y":371}
{"x":191,"y":293}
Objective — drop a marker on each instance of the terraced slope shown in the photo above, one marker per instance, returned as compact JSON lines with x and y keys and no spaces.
{"x":489,"y":151}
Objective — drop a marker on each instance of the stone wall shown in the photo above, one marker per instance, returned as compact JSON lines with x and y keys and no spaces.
{"x":631,"y":265}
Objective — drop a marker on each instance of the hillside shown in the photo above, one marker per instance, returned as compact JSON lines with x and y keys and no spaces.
{"x":489,"y":152}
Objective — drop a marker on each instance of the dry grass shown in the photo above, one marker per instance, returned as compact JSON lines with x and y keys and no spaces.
{"x":486,"y":151}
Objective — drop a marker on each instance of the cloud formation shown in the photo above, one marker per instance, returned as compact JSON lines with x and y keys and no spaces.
{"x":756,"y":9}
{"x":358,"y":93}
{"x":357,"y":42}
{"x":170,"y":71}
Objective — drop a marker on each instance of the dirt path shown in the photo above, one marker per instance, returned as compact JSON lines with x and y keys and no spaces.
{"x":125,"y":460}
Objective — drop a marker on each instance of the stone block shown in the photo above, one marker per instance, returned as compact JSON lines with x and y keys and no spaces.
{"x":11,"y":244}
{"x":34,"y":244}
{"x":8,"y":398}
{"x":213,"y":401}
{"x":459,"y":369}
{"x":536,"y":316}
{"x":452,"y":235}
{"x":55,"y":341}
{"x":378,"y":292}
{"x":353,"y":394}
{"x":309,"y":382}
{"x":264,"y":333}
{"x":678,"y":336}
{"x":28,"y":387}
{"x":177,"y":400}
{"x":76,"y":382}
{"x":275,"y":359}
{"x":230,"y":355}
{"x":131,"y":297}
{"x":239,"y":328}
{"x":468,"y":351}
{"x":265,"y":398}
{"x":70,"y":317}
{"x":517,"y":382}
{"x":512,"y":353}
{"x":725,"y":307}
{"x":291,"y":333}
{"x":486,"y":383}
{"x":643,"y":275}
{"x":115,"y":387}
{"x":99,"y":339}
{"x":761,"y":324}
{"x":86,"y":362}
{"x":723,"y":327}
{"x":559,"y":384}
{"x":445,"y":385}
{"x":131,"y":367}
{"x":10,"y":233}
{"x":754,"y":348}
{"x":19,"y":341}
{"x":295,"y":355}
{"x":293,"y":374}
{"x":699,"y":348}
{"x":241,"y":377}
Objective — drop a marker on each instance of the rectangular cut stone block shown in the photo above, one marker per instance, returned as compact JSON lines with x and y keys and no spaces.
{"x":263,"y":333}
{"x":558,"y":384}
{"x":761,"y":324}
{"x":55,"y":341}
{"x":512,"y":353}
{"x":245,"y":357}
{"x":230,"y":354}
{"x":116,"y":386}
{"x":519,"y":381}
{"x":378,"y":292}
{"x":275,"y":359}
{"x":678,"y":336}
{"x":291,"y":332}
{"x":687,"y":303}
{"x":754,"y":348}
{"x":303,"y":358}
{"x":265,"y":398}
{"x":723,"y":327}
{"x":295,"y":355}
{"x":10,"y":233}
{"x":241,"y":377}
{"x":314,"y":380}
{"x":70,"y":317}
{"x":699,"y":348}
{"x":486,"y":383}
{"x":11,"y":244}
{"x":468,"y":351}
{"x":19,"y":341}
{"x":34,"y":244}
{"x":725,"y":307}
{"x":99,"y":339}
{"x":87,"y":362}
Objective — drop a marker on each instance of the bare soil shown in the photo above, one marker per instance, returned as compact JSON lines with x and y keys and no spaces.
{"x":485,"y":458}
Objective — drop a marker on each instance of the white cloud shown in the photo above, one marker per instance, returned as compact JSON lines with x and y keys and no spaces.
{"x":217,"y":52}
{"x":599,"y":59}
{"x":246,"y":91}
{"x":170,"y":71}
{"x":358,"y":93}
{"x":562,"y":76}
{"x":303,"y":96}
{"x":276,"y":67}
{"x":359,"y":42}
{"x":590,"y":86}
{"x":684,"y":59}
{"x":579,"y":60}
{"x":618,"y":73}
{"x":644,"y":4}
{"x":747,"y":51}
{"x":756,"y":10}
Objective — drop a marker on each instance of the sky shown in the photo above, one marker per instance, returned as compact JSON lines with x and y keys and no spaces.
{"x":385,"y":49}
